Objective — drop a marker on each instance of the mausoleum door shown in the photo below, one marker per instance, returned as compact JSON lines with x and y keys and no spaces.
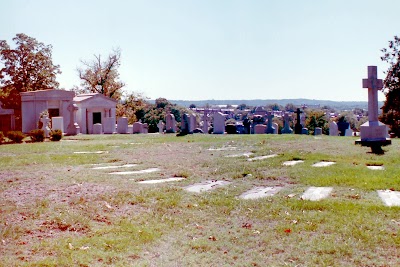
{"x":96,"y":117}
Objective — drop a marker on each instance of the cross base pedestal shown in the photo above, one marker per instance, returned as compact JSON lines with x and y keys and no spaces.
{"x":375,"y":145}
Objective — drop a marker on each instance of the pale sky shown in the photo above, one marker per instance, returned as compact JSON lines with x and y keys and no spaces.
{"x":216,"y":49}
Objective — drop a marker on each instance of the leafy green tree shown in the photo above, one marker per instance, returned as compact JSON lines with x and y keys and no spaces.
{"x":274,"y":106}
{"x":290,"y":107}
{"x":391,"y":107}
{"x":133,"y":107}
{"x":101,"y":76}
{"x":316,"y":118}
{"x":27,"y":67}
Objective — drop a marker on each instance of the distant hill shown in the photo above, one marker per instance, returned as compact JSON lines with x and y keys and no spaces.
{"x":339,"y":105}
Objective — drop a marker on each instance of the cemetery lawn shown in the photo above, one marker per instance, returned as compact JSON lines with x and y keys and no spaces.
{"x":56,"y":209}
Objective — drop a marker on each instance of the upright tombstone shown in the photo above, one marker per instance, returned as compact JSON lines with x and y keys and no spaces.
{"x":206,"y":122}
{"x":318,"y":131}
{"x":145,"y":128}
{"x":97,"y":128}
{"x":137,"y":127}
{"x":160,"y":126}
{"x":185,"y":124}
{"x":260,"y":129}
{"x":373,"y":133}
{"x":122,"y":125}
{"x":57,"y":123}
{"x":286,"y":128}
{"x":219,"y":123}
{"x":333,"y":129}
{"x":73,"y":127}
{"x":270,"y":127}
{"x":192,"y":123}
{"x":276,"y":126}
{"x":45,"y":120}
{"x":247,"y":125}
{"x":109,"y":125}
{"x":298,"y":127}
{"x":170,"y":126}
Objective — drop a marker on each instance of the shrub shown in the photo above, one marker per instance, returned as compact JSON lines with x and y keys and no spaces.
{"x":55,"y":135}
{"x":37,"y":135}
{"x":15,"y":136}
{"x":1,"y":138}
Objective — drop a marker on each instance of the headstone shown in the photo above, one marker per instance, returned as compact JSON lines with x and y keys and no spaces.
{"x":45,"y":120}
{"x":185,"y":124}
{"x":97,"y":128}
{"x":219,"y":123}
{"x":145,"y":128}
{"x":206,"y":122}
{"x":247,"y":125}
{"x":160,"y":126}
{"x":270,"y":127}
{"x":373,"y":133}
{"x":298,"y":127}
{"x":109,"y":125}
{"x":276,"y":126}
{"x":333,"y":129}
{"x":192,"y":122}
{"x":73,"y":127}
{"x":122,"y":125}
{"x":342,"y":127}
{"x":318,"y":131}
{"x":286,"y":128}
{"x":137,"y":127}
{"x":170,"y":126}
{"x":304,"y":131}
{"x":57,"y":123}
{"x":260,"y":129}
{"x":130,"y":129}
{"x":348,"y":132}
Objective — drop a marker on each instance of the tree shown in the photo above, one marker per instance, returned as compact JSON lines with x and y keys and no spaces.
{"x":290,"y":107}
{"x":101,"y":76}
{"x":27,"y":67}
{"x":391,"y":86}
{"x":317,"y":118}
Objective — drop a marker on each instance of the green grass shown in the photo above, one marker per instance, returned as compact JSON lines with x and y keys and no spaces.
{"x":55,"y":210}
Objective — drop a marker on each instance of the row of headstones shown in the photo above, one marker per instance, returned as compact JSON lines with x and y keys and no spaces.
{"x":122,"y":127}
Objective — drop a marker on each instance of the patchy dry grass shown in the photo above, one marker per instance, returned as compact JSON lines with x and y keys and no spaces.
{"x":56,"y":210}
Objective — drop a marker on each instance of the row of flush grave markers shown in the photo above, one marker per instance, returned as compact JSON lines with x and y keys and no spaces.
{"x":390,"y":198}
{"x":247,"y":154}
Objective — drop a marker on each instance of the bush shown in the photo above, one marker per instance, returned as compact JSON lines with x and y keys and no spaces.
{"x":37,"y":135}
{"x":15,"y":136}
{"x":1,"y":138}
{"x":55,"y":135}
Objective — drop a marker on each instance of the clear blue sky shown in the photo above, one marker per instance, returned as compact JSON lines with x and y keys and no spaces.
{"x":216,"y":49}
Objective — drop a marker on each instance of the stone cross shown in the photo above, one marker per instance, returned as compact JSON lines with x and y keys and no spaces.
{"x":270,"y":128}
{"x":373,"y":84}
{"x":298,"y":127}
{"x":160,"y":126}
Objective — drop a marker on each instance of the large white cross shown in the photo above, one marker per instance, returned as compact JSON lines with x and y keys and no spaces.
{"x":373,"y":84}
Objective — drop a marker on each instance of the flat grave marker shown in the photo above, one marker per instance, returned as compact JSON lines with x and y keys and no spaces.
{"x":150,"y":170}
{"x":260,"y":192}
{"x":390,"y":198}
{"x":376,"y":168}
{"x":114,"y":167}
{"x":158,"y":181}
{"x":292,"y":162}
{"x":263,"y":157}
{"x":206,"y":186}
{"x":316,"y":193}
{"x":323,"y":164}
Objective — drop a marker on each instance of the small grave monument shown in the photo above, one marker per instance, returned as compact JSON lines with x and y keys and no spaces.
{"x":260,"y":129}
{"x":57,"y":123}
{"x":137,"y":127}
{"x":270,"y":127}
{"x":298,"y":127}
{"x":373,"y":133}
{"x":170,"y":123}
{"x":122,"y":125}
{"x":318,"y":131}
{"x":109,"y":125}
{"x":219,"y":123}
{"x":286,"y":128}
{"x":45,"y":120}
{"x":160,"y":126}
{"x":333,"y":129}
{"x":73,"y":127}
